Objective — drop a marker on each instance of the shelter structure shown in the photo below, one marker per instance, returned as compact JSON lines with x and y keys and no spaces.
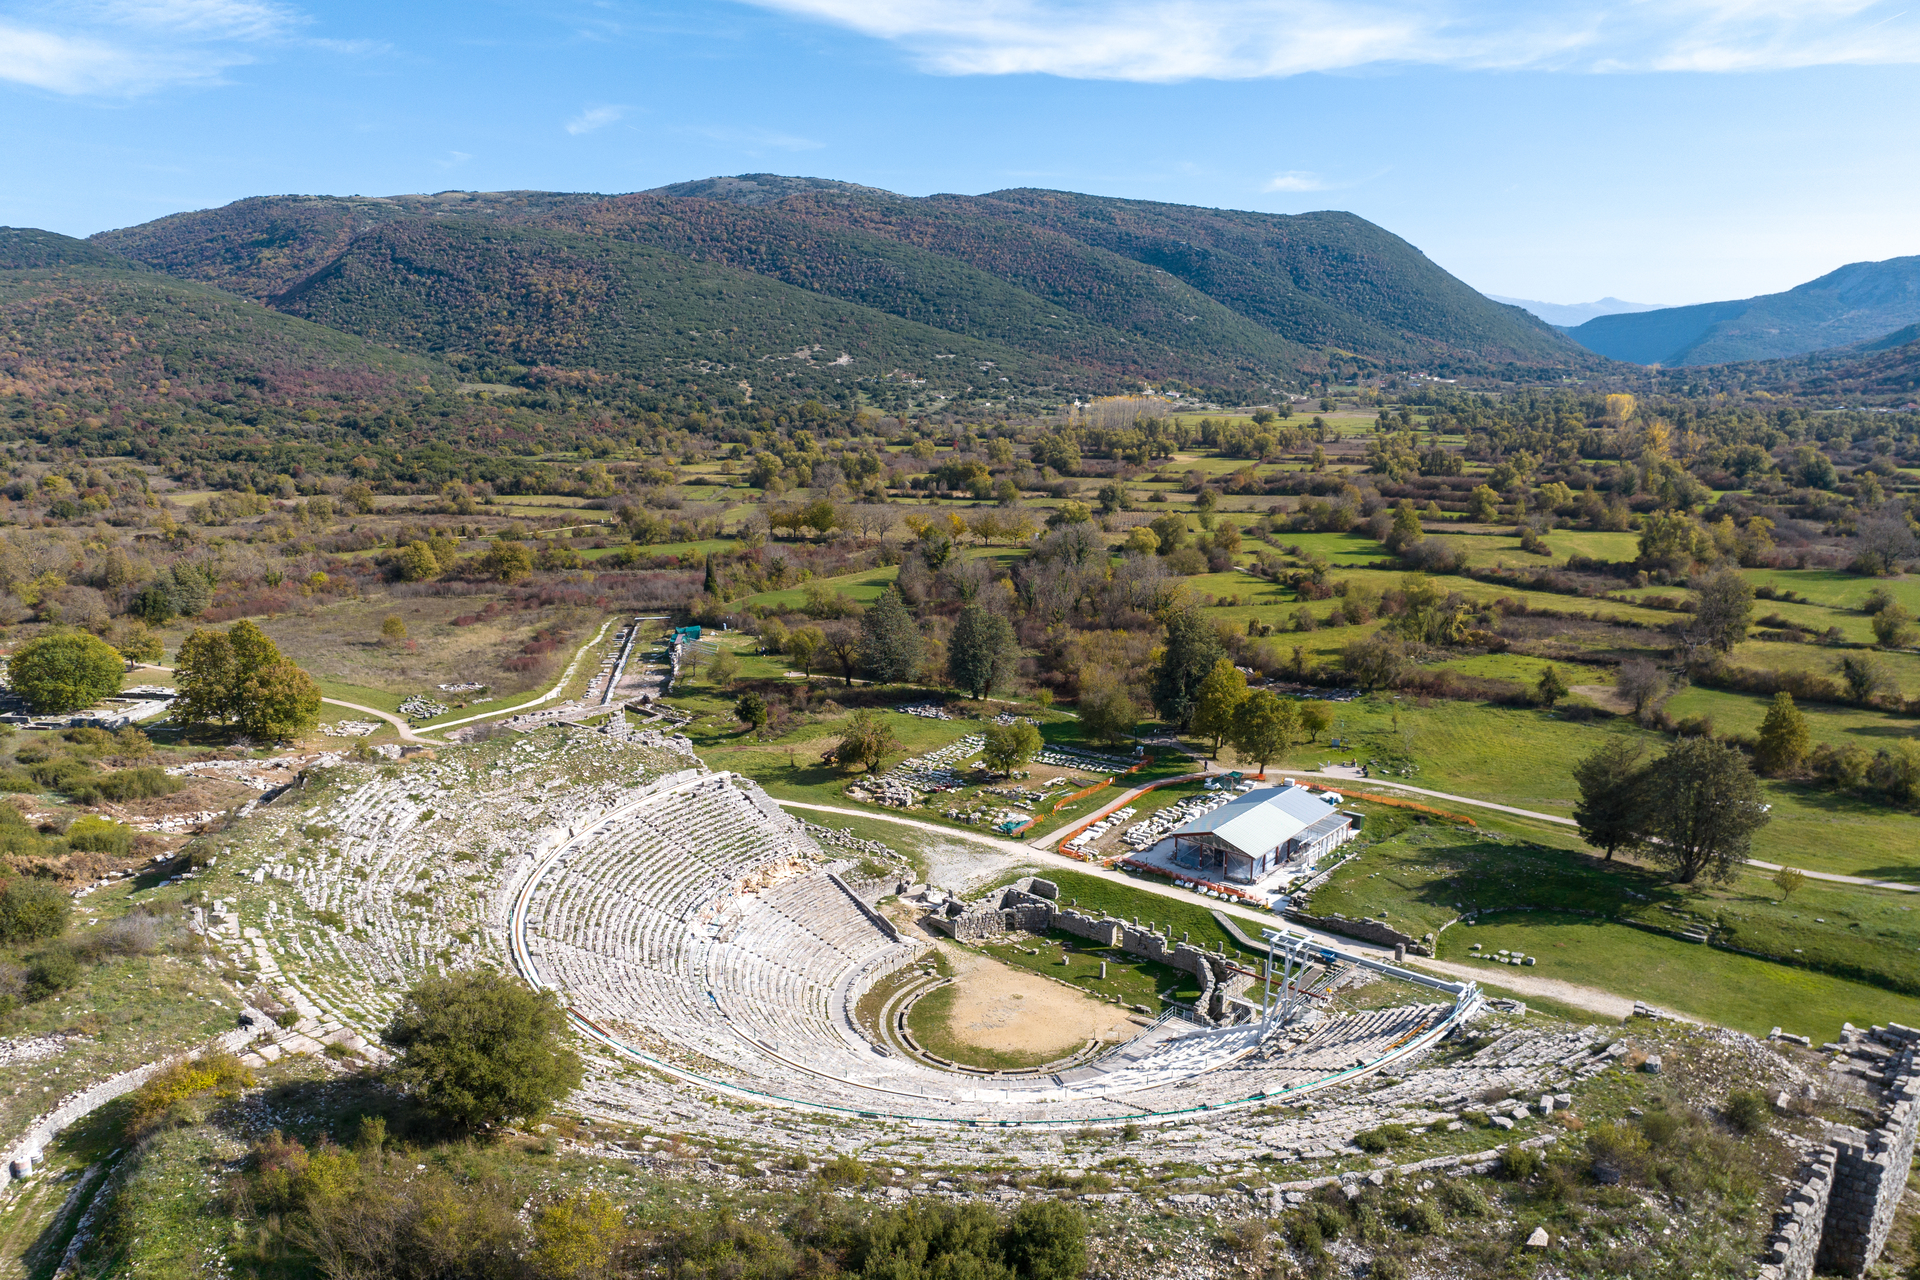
{"x":1254,"y":835}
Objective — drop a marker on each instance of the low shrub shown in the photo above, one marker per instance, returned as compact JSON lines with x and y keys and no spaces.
{"x":100,"y":835}
{"x":32,"y":909}
{"x":215,"y":1072}
{"x":1748,"y":1111}
{"x":137,"y":784}
{"x":1517,"y":1164}
{"x":1382,"y":1138}
{"x":51,"y":972}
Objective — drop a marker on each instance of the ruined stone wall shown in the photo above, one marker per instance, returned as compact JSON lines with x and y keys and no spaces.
{"x":1097,"y":929}
{"x":1870,"y":1166}
{"x":1869,"y":1177}
{"x":1795,"y":1242}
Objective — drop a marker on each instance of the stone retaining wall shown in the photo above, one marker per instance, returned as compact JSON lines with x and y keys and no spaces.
{"x":1365,"y":930}
{"x":26,"y":1152}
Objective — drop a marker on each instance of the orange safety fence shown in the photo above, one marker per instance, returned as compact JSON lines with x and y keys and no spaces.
{"x":1396,"y":803}
{"x":1060,"y":845}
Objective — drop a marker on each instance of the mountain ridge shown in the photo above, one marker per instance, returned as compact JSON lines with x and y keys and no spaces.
{"x":1857,"y":302}
{"x":1083,"y":293}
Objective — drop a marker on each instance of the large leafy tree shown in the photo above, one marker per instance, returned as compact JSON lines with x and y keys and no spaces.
{"x":982,"y":654}
{"x":1008,"y":746}
{"x":1192,"y":649}
{"x":1612,"y":811}
{"x":1223,"y":690}
{"x":890,"y":642}
{"x":1263,"y":726}
{"x":866,"y":741}
{"x":61,"y":673}
{"x":480,"y":1047}
{"x":240,"y":678}
{"x":1704,"y":805}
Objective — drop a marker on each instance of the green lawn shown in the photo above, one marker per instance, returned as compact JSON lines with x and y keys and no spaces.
{"x":1737,"y":991}
{"x":1135,"y":981}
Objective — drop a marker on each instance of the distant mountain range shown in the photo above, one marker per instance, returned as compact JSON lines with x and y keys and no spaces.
{"x":804,"y":285}
{"x":1860,"y":302}
{"x":1564,"y":315}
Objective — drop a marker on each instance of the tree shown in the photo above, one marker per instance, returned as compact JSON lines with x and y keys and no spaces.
{"x":1372,"y":663}
{"x":1787,"y":880}
{"x":1551,"y":687}
{"x":1406,"y":531}
{"x":1483,"y":505}
{"x":1704,"y":805}
{"x":1222,"y":691}
{"x":138,"y":645}
{"x":890,"y":642}
{"x":416,"y":562}
{"x":241,"y":679}
{"x":61,"y":673}
{"x":393,"y":629}
{"x":1008,"y":746}
{"x":1863,"y":674}
{"x":865,"y":741}
{"x":1893,"y":628}
{"x":154,"y":605}
{"x":32,"y":909}
{"x":1784,"y":737}
{"x":1642,"y":684}
{"x":1315,"y":719}
{"x":1191,"y":650}
{"x":506,"y":562}
{"x":724,"y":668}
{"x":1263,"y":726}
{"x":1722,"y":609}
{"x":752,"y":710}
{"x":1612,"y":812}
{"x":803,"y":644}
{"x":982,"y":653}
{"x":1107,"y":714}
{"x":843,"y":644}
{"x":480,"y":1047}
{"x":711,"y":584}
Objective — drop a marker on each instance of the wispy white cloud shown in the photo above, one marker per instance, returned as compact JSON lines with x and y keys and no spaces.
{"x":1296,"y":180}
{"x":595,"y":118}
{"x":119,"y":48}
{"x":1170,"y":40}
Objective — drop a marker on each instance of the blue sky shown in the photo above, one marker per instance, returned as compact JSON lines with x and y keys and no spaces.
{"x":1657,"y":150}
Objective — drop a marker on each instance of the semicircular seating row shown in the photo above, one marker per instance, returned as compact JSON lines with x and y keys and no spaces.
{"x":644,"y":928}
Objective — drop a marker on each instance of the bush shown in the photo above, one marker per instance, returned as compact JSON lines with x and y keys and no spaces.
{"x":1423,"y":1218}
{"x":1380,"y":1139}
{"x":479,"y":1047}
{"x":50,"y":972}
{"x":1748,"y":1111}
{"x":137,"y":784}
{"x":1659,"y":1127}
{"x":100,"y":835}
{"x":1047,"y":1240}
{"x":215,"y":1072}
{"x":1463,"y":1198}
{"x":32,"y":909}
{"x":1517,"y":1164}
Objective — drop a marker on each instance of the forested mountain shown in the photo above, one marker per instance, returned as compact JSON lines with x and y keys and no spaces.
{"x":1014,"y":292}
{"x":27,"y":248}
{"x":1861,"y":301}
{"x":140,"y":336}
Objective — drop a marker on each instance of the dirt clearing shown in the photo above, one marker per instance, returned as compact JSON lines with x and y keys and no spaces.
{"x":1007,"y":1011}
